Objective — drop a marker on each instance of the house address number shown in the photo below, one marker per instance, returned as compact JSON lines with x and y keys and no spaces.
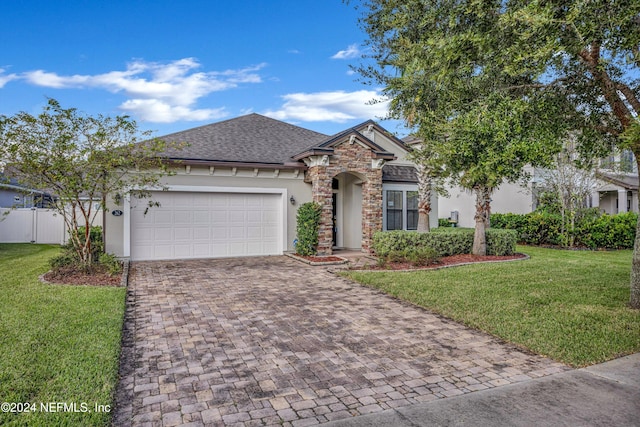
{"x":116,"y":212}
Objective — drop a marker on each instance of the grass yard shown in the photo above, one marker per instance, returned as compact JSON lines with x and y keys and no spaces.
{"x":568,"y":305}
{"x":58,"y":344}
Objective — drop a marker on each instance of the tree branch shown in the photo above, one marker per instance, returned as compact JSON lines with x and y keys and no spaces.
{"x":591,"y":58}
{"x":630,"y":96}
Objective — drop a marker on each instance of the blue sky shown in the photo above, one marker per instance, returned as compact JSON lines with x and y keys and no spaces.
{"x":174,"y":65}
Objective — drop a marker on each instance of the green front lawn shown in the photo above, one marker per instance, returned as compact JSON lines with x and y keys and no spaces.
{"x":58,"y":344}
{"x":568,"y":305}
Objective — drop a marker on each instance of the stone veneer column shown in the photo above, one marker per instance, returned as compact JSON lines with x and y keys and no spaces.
{"x":322,"y":193}
{"x":371,"y":208}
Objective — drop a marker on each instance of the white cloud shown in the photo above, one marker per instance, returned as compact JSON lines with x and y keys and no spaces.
{"x":157,"y":111}
{"x":350,"y":52}
{"x":336,"y":106}
{"x":157,"y":92}
{"x":6,"y":78}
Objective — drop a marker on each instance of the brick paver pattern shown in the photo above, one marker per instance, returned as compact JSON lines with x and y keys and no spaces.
{"x":271,"y":341}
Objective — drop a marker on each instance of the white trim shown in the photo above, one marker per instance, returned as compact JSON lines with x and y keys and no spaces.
{"x":126,"y":238}
{"x":396,"y":187}
{"x":284,"y":199}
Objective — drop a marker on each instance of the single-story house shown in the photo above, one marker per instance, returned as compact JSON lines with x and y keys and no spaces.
{"x":238,"y":184}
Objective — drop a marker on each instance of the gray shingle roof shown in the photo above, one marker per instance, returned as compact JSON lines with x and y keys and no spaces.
{"x":397,"y":173}
{"x":252,"y":139}
{"x":627,"y":181}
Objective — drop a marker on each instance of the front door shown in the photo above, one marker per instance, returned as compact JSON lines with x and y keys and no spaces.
{"x":334,"y":216}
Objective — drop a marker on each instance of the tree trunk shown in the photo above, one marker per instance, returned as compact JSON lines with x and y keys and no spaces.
{"x":424,"y":209}
{"x":634,"y":301}
{"x":483,"y":209}
{"x":424,"y":199}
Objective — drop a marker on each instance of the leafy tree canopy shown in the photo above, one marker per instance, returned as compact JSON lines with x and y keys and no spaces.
{"x":81,"y":159}
{"x":444,"y":61}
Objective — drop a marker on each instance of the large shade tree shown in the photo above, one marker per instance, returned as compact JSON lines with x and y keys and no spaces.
{"x":582,"y":56}
{"x":81,"y":159}
{"x":481,"y":123}
{"x":590,"y":53}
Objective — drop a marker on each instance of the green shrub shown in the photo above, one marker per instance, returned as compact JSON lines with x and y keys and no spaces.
{"x":444,"y":222}
{"x":95,"y":235}
{"x":308,"y":224}
{"x":536,"y":228}
{"x":69,"y":257}
{"x":65,"y":259}
{"x":608,"y":231}
{"x":112,"y":264}
{"x":501,"y":242}
{"x":422,"y":256}
{"x":417,"y":256}
{"x":444,"y":242}
{"x":592,"y":229}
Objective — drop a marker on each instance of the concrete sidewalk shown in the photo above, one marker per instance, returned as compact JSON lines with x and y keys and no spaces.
{"x":601,"y":395}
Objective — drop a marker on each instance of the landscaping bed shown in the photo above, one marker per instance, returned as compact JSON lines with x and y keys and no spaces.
{"x":318,"y":259}
{"x":71,"y":276}
{"x":448,"y":261}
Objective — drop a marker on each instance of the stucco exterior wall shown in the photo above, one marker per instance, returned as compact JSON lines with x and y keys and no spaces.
{"x":350,"y":220}
{"x":221,"y":177}
{"x":508,"y":198}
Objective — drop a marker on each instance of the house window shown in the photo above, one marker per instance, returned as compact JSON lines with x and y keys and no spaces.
{"x":394,"y":210}
{"x":412,"y":210}
{"x":401,"y":209}
{"x":626,"y":161}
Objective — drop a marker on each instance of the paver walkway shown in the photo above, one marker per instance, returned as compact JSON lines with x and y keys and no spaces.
{"x":271,"y":341}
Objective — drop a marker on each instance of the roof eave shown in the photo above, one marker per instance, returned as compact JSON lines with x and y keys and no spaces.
{"x":227,"y":163}
{"x":315,"y":151}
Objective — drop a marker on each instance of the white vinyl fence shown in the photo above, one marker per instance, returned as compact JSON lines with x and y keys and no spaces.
{"x":31,"y":225}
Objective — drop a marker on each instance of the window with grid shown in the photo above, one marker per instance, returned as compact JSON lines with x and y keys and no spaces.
{"x":394,"y":210}
{"x":412,"y":210}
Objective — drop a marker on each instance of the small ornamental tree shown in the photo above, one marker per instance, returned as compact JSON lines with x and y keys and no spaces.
{"x":308,"y":224}
{"x":81,"y":159}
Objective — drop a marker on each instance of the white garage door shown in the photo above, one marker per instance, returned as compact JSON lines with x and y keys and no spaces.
{"x":206,"y":225}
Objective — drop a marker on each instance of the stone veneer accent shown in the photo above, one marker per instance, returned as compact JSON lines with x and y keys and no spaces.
{"x":352,"y":158}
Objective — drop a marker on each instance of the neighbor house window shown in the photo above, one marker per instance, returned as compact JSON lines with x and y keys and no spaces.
{"x":400,"y":208}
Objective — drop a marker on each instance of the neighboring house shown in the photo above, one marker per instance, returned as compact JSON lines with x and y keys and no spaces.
{"x":15,"y":195}
{"x":615,"y":191}
{"x":238,"y":184}
{"x":508,"y":198}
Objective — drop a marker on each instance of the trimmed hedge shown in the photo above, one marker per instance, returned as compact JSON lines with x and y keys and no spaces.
{"x":308,"y":224}
{"x":444,"y":242}
{"x":592,"y":230}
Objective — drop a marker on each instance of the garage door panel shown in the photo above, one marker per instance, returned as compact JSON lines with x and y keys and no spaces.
{"x":201,"y":233}
{"x":161,"y":217}
{"x":235,"y":232}
{"x":182,"y":233}
{"x":206,"y":225}
{"x":183,"y":217}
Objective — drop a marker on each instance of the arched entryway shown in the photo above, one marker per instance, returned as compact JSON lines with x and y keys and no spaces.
{"x":347,"y":210}
{"x":350,"y":160}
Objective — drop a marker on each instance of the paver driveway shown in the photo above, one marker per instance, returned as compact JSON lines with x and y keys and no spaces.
{"x":271,"y":341}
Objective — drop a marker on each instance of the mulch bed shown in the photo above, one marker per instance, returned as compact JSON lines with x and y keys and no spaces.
{"x":445,"y":262}
{"x":75,"y":277}
{"x":321,"y":258}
